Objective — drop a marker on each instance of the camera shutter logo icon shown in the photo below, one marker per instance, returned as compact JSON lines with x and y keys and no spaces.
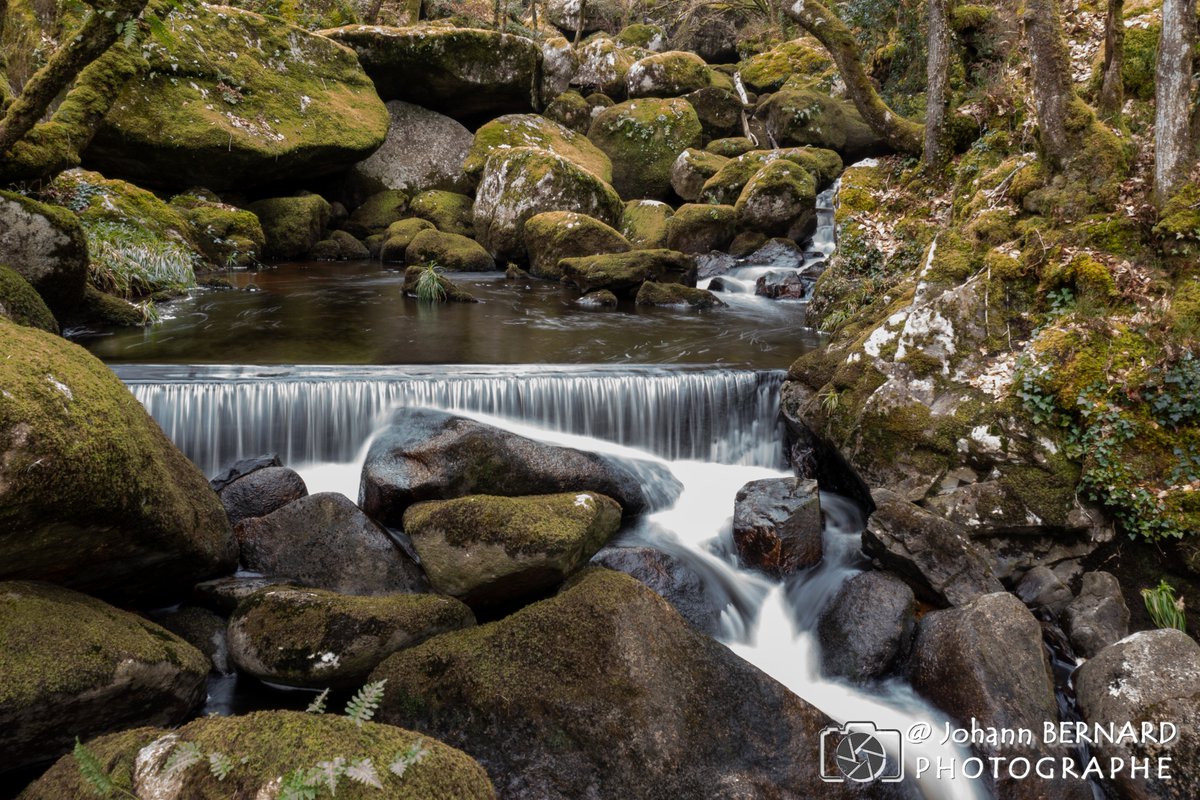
{"x":858,"y":752}
{"x":860,"y":757}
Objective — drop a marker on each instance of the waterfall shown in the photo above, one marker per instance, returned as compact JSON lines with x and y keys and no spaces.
{"x":217,"y":415}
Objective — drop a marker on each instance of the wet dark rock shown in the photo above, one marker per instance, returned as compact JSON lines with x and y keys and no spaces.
{"x":868,"y":626}
{"x":710,"y":265}
{"x":202,"y":629}
{"x":1041,"y":588}
{"x":781,"y":286}
{"x":601,"y":298}
{"x":433,"y":455}
{"x":777,"y":525}
{"x":670,"y":578}
{"x":675,"y":295}
{"x":933,"y":555}
{"x":261,"y":492}
{"x":624,"y":273}
{"x":223,"y":595}
{"x":777,"y":253}
{"x":1151,"y":677}
{"x":1098,"y":617}
{"x":243,"y":468}
{"x":325,"y":541}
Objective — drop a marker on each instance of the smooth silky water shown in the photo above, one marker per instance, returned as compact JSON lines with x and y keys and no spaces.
{"x":708,"y":423}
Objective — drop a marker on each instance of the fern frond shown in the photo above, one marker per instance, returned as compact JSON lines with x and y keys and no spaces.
{"x":362,"y":771}
{"x":220,"y":765}
{"x":413,"y":755}
{"x":93,"y":771}
{"x":317,"y":706}
{"x":366,"y":702}
{"x":185,"y":754}
{"x":328,"y":773}
{"x":300,"y":784}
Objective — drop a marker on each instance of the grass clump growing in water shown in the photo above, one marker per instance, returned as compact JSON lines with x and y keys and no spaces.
{"x":429,"y":288}
{"x":130,"y":263}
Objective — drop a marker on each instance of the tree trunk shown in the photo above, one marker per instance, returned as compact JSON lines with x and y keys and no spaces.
{"x":1112,"y":90}
{"x":937,"y":76}
{"x":6,"y":92}
{"x":579,"y":23}
{"x":1172,"y":98}
{"x":496,"y":4}
{"x":1053,"y":91}
{"x":902,"y":135}
{"x":94,"y":38}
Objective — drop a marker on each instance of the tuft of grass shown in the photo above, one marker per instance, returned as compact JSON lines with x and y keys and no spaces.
{"x":429,"y":287}
{"x":1165,"y":609}
{"x":131,"y":263}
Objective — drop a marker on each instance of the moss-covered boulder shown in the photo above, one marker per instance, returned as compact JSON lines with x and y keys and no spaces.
{"x":423,"y":150}
{"x":692,"y":170}
{"x":643,"y":138}
{"x":319,"y":639}
{"x":450,"y":251}
{"x":726,"y":186}
{"x":292,"y":225}
{"x":318,"y":14}
{"x":467,"y":73}
{"x":491,"y":550}
{"x":399,"y":236}
{"x":378,"y":212}
{"x":92,"y":494}
{"x":560,"y":62}
{"x":675,"y":294}
{"x":228,"y":236}
{"x":644,"y":223}
{"x":46,"y":246}
{"x":74,"y":666}
{"x":701,"y":228}
{"x":669,"y":74}
{"x":800,"y":60}
{"x":570,"y":110}
{"x":780,"y":200}
{"x":605,"y":685}
{"x":451,"y":292}
{"x":449,"y":212}
{"x":730,"y":147}
{"x":624,"y":273}
{"x":340,"y":246}
{"x":534,"y":130}
{"x":806,"y":117}
{"x":555,"y":235}
{"x":719,"y":111}
{"x":603,"y":66}
{"x":601,"y":299}
{"x":276,"y":746}
{"x":597,"y":15}
{"x":20,"y":303}
{"x":522,"y":182}
{"x":640,"y":34}
{"x":262,"y":102}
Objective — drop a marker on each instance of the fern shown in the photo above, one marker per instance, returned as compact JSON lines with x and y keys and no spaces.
{"x":366,"y":702}
{"x":413,"y":755}
{"x":220,"y":765}
{"x":317,"y":706}
{"x":94,"y":776}
{"x":362,"y":771}
{"x":300,"y":784}
{"x":328,"y":773}
{"x":185,"y":755}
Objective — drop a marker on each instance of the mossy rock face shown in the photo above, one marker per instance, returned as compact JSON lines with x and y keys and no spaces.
{"x":624,"y":273}
{"x":451,"y":291}
{"x":674,"y":294}
{"x":1178,"y":224}
{"x":598,"y":15}
{"x":75,"y":666}
{"x":92,"y":494}
{"x":46,"y":246}
{"x":450,"y":212}
{"x":731,"y":147}
{"x":719,"y":110}
{"x":318,"y":14}
{"x":1141,"y":55}
{"x":20,"y":303}
{"x":450,"y":251}
{"x":491,"y":550}
{"x":650,"y":37}
{"x":643,"y":138}
{"x":276,"y":744}
{"x":522,"y":182}
{"x":727,"y":184}
{"x":805,"y":117}
{"x":534,"y":130}
{"x":399,"y":236}
{"x":106,"y":309}
{"x":292,"y":225}
{"x":263,"y":101}
{"x":644,"y":223}
{"x":466,"y":73}
{"x":560,"y":62}
{"x":319,"y":639}
{"x":555,"y":235}
{"x":423,"y":150}
{"x":603,"y":67}
{"x":570,"y":110}
{"x":378,"y":212}
{"x":226,"y":235}
{"x":701,"y":228}
{"x":607,"y":661}
{"x":669,"y":74}
{"x":769,"y":71}
{"x":692,"y":170}
{"x":780,"y":200}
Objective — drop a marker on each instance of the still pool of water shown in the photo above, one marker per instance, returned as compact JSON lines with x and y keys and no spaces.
{"x":355,"y":313}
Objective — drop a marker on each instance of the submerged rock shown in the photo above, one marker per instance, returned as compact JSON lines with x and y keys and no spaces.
{"x":261,"y":492}
{"x":555,"y":235}
{"x":643,"y":138}
{"x":624,"y":273}
{"x":433,"y":455}
{"x":451,"y":291}
{"x":601,"y":298}
{"x":490,"y":550}
{"x":867,"y":627}
{"x":319,"y":639}
{"x":777,"y":525}
{"x":92,"y":494}
{"x":326,"y":542}
{"x":275,"y":744}
{"x":74,"y":666}
{"x":423,"y":150}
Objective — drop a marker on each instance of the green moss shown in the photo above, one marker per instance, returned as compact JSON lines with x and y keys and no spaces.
{"x":640,"y":35}
{"x":769,"y":71}
{"x":378,"y":212}
{"x":991,"y":228}
{"x":669,"y":74}
{"x":1183,"y":317}
{"x":1141,"y":55}
{"x":227,"y":235}
{"x":1112,"y":233}
{"x":449,"y":211}
{"x":22,"y":304}
{"x":701,"y":227}
{"x":452,"y":292}
{"x":292,"y":225}
{"x":643,"y":139}
{"x":955,"y":260}
{"x":727,"y":184}
{"x":533,"y":130}
{"x":625,"y":272}
{"x":555,"y":235}
{"x":969,"y":18}
{"x":730,"y":147}
{"x":449,"y":251}
{"x":780,"y":200}
{"x":1085,"y":276}
{"x":96,"y":199}
{"x":1178,"y":225}
{"x":644,"y":223}
{"x":571,"y":111}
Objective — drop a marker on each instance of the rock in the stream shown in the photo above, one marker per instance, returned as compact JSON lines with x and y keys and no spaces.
{"x":450,"y":251}
{"x":701,"y":228}
{"x":674,"y":294}
{"x":534,"y":130}
{"x":868,"y":626}
{"x":777,"y":525}
{"x":780,"y":200}
{"x":1041,"y":588}
{"x":292,"y":225}
{"x":46,"y":246}
{"x":490,"y":550}
{"x":325,"y":541}
{"x":1150,"y":678}
{"x":399,"y":236}
{"x":433,"y":455}
{"x":643,"y":138}
{"x":202,"y":629}
{"x":780,"y":286}
{"x":449,"y":212}
{"x":555,"y":235}
{"x":74,"y":666}
{"x":223,"y":595}
{"x":935,"y":556}
{"x":261,"y":492}
{"x":624,"y":273}
{"x":423,"y":150}
{"x":319,"y":639}
{"x":605,"y":691}
{"x":671,"y":578}
{"x":377,"y":212}
{"x":274,"y":744}
{"x":1098,"y":617}
{"x":451,"y":292}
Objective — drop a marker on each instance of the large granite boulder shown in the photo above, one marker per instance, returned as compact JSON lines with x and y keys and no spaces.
{"x":92,"y":494}
{"x":554,"y":235}
{"x":292,"y":225}
{"x":20,"y":302}
{"x":262,"y":102}
{"x":1098,"y":617}
{"x":534,"y":130}
{"x":677,"y":581}
{"x":261,"y":492}
{"x":46,"y":246}
{"x":669,"y":74}
{"x":423,"y":150}
{"x":868,"y":627}
{"x":624,"y":273}
{"x":643,"y":138}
